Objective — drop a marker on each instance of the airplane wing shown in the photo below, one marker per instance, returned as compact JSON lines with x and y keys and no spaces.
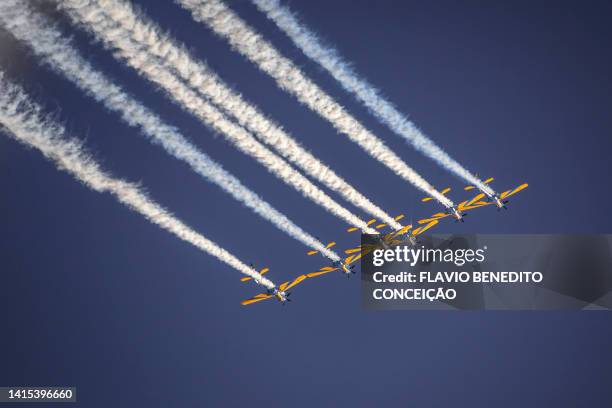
{"x":476,"y":205}
{"x":352,"y":258}
{"x":424,"y":228}
{"x":510,"y":193}
{"x":467,"y":206}
{"x":288,"y":285}
{"x":435,"y":217}
{"x":402,"y":231}
{"x":427,"y":220}
{"x":477,"y":198}
{"x":256,"y":298}
{"x":462,"y":205}
{"x":320,"y":272}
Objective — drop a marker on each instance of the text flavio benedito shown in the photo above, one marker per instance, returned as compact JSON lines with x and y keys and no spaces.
{"x":459,"y":257}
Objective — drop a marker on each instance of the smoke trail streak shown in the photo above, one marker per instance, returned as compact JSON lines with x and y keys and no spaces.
{"x":92,"y":19}
{"x":24,"y":121}
{"x":385,"y":111}
{"x":205,"y":81}
{"x":48,"y":43}
{"x":289,"y":77}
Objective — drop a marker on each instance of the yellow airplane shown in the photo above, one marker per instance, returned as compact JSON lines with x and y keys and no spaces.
{"x":345,"y":267}
{"x":281,"y":293}
{"x":338,"y":264}
{"x":456,"y":211}
{"x":500,"y":200}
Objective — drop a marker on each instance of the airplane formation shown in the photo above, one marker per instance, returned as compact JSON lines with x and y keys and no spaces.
{"x":163,"y":61}
{"x":404,"y":235}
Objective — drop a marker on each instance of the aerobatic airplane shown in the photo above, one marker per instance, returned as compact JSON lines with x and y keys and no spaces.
{"x":337,"y":263}
{"x":346,"y":269}
{"x":280,"y":293}
{"x":457,"y":211}
{"x":500,"y":200}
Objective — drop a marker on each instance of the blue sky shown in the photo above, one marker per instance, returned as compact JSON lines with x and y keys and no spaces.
{"x":96,"y":297}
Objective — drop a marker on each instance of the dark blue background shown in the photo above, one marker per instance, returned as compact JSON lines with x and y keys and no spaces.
{"x":94,"y":296}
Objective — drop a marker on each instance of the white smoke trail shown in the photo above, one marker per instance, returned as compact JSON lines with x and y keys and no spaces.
{"x":53,"y":48}
{"x":24,"y":121}
{"x":202,"y":79}
{"x":289,"y":77}
{"x":92,"y":18}
{"x":385,"y":111}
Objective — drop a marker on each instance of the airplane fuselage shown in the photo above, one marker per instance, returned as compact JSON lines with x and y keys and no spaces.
{"x":454,"y":212}
{"x":343,"y":267}
{"x":280,"y":295}
{"x":496,"y":200}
